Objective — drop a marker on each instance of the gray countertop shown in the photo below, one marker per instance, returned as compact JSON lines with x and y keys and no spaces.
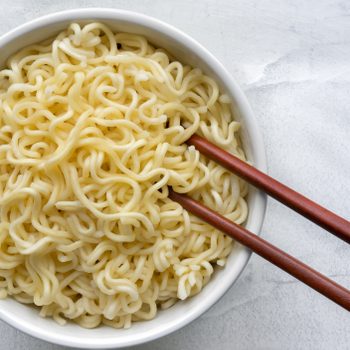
{"x":292,"y":59}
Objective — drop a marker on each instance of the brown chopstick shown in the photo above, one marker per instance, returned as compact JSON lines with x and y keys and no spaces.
{"x":294,"y":200}
{"x":276,"y":256}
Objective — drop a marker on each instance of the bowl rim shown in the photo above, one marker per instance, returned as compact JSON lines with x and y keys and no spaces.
{"x":257,"y":145}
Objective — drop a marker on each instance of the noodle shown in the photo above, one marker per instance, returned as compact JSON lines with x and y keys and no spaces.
{"x":92,"y":126}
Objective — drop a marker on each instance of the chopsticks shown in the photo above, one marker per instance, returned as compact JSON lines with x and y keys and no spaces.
{"x":294,"y":200}
{"x":321,"y":216}
{"x":276,"y":256}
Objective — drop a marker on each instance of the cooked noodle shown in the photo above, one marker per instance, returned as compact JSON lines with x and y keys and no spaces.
{"x":92,"y":126}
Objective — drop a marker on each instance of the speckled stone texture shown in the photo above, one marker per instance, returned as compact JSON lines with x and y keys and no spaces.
{"x":292,"y":59}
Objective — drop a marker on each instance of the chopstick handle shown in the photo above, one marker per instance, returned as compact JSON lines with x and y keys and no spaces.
{"x":294,"y":200}
{"x":276,"y":256}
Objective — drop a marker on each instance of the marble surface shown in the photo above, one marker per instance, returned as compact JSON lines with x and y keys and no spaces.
{"x":292,"y":59}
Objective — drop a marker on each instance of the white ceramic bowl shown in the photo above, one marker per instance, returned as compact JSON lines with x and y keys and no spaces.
{"x":184,"y":48}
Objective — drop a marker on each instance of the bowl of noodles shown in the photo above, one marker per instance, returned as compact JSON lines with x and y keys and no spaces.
{"x":95,"y":109}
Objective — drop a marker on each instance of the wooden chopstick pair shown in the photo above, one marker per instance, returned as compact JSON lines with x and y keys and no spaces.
{"x":294,"y":200}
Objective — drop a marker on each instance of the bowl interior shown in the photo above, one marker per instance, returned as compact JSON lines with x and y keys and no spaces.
{"x":186,"y":50}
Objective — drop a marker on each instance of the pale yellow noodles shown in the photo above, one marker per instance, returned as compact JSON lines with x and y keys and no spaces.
{"x":92,"y":126}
